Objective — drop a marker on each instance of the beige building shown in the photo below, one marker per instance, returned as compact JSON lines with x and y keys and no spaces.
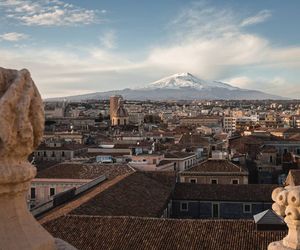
{"x":201,"y":121}
{"x":182,"y":160}
{"x":151,"y":162}
{"x":58,"y":151}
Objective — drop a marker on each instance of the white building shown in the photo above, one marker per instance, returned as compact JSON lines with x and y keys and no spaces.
{"x":229,"y":124}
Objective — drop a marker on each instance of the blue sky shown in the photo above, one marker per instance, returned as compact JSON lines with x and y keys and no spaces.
{"x":75,"y":47}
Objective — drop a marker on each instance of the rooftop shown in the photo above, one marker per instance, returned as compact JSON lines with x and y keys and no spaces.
{"x":224,"y":192}
{"x":178,"y":155}
{"x":213,"y":165}
{"x":83,"y":171}
{"x":124,"y":233}
{"x":139,"y":194}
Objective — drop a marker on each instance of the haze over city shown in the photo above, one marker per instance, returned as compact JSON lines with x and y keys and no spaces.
{"x":78,"y":47}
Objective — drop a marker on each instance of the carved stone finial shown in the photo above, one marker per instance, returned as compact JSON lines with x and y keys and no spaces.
{"x":21,"y":129}
{"x":287,"y":204}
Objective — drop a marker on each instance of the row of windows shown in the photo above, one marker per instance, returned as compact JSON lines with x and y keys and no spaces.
{"x":33,"y":192}
{"x":189,"y":163}
{"x":215,"y":209}
{"x":214,"y":181}
{"x":53,"y":154}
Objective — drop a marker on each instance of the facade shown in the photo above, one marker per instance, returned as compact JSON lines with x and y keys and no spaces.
{"x":59,"y":151}
{"x":151,"y":162}
{"x":296,"y":121}
{"x":68,"y":137}
{"x":44,"y":189}
{"x":201,"y":121}
{"x":182,"y":160}
{"x":268,"y":160}
{"x":203,"y":201}
{"x":229,"y":124}
{"x":65,"y":176}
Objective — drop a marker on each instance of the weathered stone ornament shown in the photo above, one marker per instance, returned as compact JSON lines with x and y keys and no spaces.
{"x":287,"y":204}
{"x":21,"y":129}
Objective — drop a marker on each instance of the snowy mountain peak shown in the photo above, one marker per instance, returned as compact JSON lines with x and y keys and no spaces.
{"x":187,"y":80}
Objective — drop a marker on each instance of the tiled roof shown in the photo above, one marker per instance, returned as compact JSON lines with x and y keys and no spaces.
{"x":83,"y":171}
{"x":178,"y":155}
{"x":139,"y":194}
{"x":194,"y":139}
{"x":127,"y":233}
{"x":213,"y":165}
{"x":224,"y":192}
{"x":240,"y":142}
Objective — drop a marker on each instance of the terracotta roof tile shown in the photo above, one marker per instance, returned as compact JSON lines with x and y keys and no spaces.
{"x":139,"y":194}
{"x":91,"y":232}
{"x":213,"y":165}
{"x":83,"y":171}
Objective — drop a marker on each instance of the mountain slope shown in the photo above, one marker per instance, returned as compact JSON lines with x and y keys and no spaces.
{"x":183,"y":80}
{"x":182,"y":86}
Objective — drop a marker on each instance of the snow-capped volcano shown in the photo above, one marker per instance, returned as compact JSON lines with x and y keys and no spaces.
{"x":182,"y":86}
{"x":187,"y":80}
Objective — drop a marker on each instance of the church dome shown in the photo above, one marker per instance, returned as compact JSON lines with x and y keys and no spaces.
{"x":121,"y":112}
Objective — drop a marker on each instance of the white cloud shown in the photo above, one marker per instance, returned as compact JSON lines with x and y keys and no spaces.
{"x":60,"y":72}
{"x":108,"y":40}
{"x":13,"y":36}
{"x":211,"y":43}
{"x":277,"y":84}
{"x":204,"y":40}
{"x":240,"y":81}
{"x":48,"y":13}
{"x":258,"y":18}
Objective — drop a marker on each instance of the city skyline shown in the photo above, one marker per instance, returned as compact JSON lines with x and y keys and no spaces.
{"x":75,"y":47}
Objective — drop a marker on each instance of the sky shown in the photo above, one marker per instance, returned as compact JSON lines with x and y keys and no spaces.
{"x":75,"y":47}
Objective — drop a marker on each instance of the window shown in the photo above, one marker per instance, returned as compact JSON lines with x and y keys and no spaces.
{"x":271,"y":159}
{"x":52,"y":191}
{"x":32,"y":193}
{"x":247,"y":208}
{"x":298,"y":151}
{"x":193,"y":180}
{"x":285,"y":151}
{"x":118,"y":122}
{"x":45,"y":154}
{"x":215,"y":210}
{"x":184,"y":206}
{"x":213,"y":181}
{"x":235,"y":181}
{"x":63,"y":153}
{"x":53,"y":154}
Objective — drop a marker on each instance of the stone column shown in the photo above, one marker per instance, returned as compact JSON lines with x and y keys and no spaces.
{"x":287,"y":204}
{"x":21,"y":129}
